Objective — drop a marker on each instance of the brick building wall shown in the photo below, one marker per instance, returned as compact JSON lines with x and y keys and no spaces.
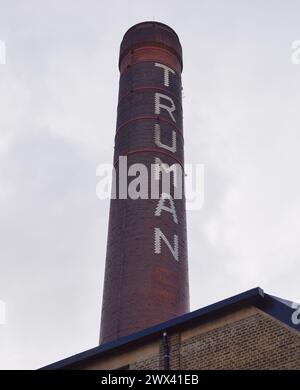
{"x":246,"y":338}
{"x":255,"y":342}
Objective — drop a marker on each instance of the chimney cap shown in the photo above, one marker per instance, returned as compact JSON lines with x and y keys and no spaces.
{"x":151,"y":33}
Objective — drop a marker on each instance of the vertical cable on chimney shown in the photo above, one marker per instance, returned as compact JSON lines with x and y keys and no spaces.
{"x":166,"y":352}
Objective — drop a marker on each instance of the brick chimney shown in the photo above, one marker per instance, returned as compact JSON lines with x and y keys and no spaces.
{"x":146,"y":274}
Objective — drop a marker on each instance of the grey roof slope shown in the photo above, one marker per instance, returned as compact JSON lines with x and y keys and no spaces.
{"x":276,"y":307}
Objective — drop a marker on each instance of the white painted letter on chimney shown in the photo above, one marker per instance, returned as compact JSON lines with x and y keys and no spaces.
{"x":159,"y":105}
{"x":158,"y":235}
{"x":160,"y":144}
{"x":167,"y":72}
{"x":161,"y":206}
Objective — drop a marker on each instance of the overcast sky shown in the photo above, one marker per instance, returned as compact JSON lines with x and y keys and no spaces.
{"x":58,"y":97}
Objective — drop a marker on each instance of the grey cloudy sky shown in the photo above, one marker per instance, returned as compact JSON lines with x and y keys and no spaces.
{"x":58,"y":97}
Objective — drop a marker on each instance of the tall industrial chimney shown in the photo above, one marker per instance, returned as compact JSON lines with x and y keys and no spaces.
{"x":146,"y":274}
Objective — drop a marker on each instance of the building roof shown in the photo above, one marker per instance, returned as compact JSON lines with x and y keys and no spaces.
{"x":278,"y":308}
